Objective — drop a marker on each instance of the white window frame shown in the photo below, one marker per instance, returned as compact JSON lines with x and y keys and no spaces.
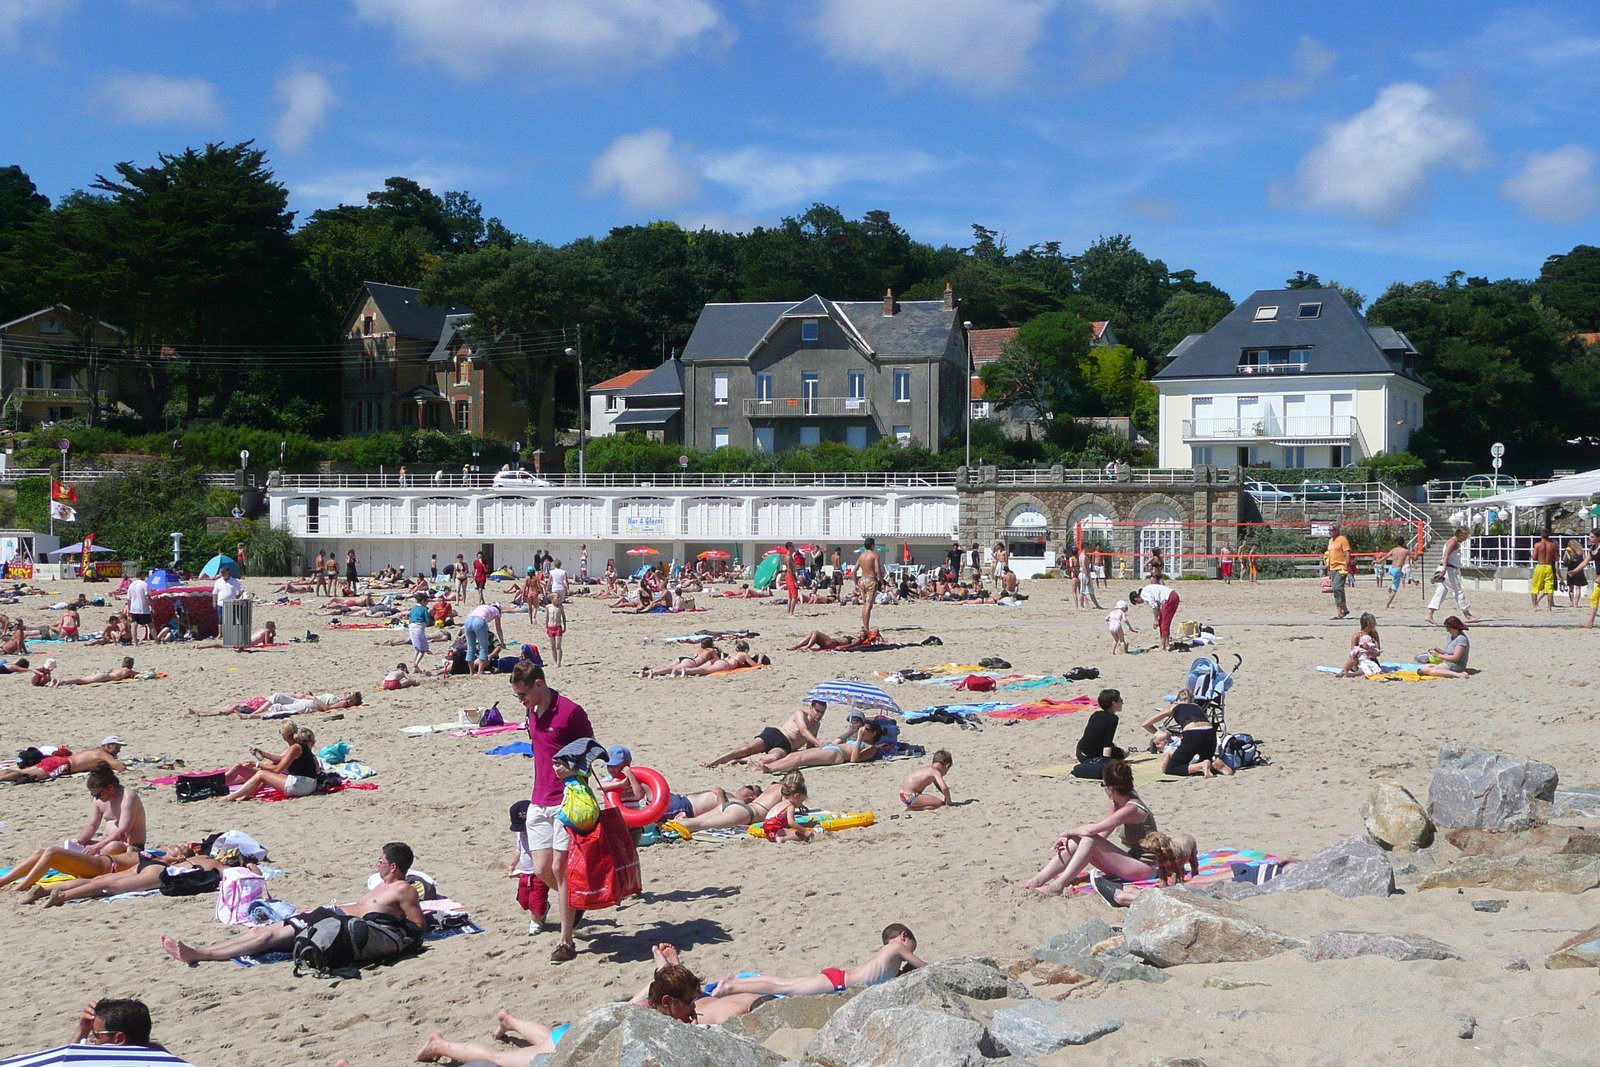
{"x":902,"y":387}
{"x":613,"y":403}
{"x":1267,"y":313}
{"x":810,"y":331}
{"x":858,"y":384}
{"x":1316,"y":311}
{"x":719,"y":390}
{"x":764,"y":387}
{"x":719,"y":437}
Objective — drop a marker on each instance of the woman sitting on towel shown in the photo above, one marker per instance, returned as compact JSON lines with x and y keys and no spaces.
{"x":862,"y":749}
{"x":292,"y":772}
{"x":1365,"y":650}
{"x":1089,"y":845}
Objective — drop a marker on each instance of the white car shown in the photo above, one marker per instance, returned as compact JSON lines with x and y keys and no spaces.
{"x":519,"y":480}
{"x":1266,"y":491}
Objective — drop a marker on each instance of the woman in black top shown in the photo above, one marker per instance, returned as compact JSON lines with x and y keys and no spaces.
{"x":292,"y":772}
{"x":1097,"y":745}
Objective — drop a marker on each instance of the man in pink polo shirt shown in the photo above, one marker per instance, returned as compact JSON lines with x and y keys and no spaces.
{"x":553,"y":723}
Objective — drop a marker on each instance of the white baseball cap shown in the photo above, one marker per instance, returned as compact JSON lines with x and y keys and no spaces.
{"x":112,"y":740}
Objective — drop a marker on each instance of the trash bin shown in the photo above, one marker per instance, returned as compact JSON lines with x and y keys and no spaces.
{"x":236,"y":622}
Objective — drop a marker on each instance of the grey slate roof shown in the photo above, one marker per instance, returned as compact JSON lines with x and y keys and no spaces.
{"x":733,"y":331}
{"x":407,"y":315}
{"x":1339,"y":341}
{"x":451,"y":337}
{"x":645,"y":417}
{"x":665,"y":380}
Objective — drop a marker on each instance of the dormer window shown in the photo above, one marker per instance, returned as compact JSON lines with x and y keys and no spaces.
{"x":1272,"y":361}
{"x":366,"y":326}
{"x":808,"y":329}
{"x":1310,"y":311}
{"x":1266,"y":314}
{"x":50,"y":326}
{"x":463,"y":370}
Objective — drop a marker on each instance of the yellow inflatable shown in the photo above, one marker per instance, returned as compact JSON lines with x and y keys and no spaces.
{"x":849,"y":820}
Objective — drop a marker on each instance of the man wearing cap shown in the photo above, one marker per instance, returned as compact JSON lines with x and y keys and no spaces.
{"x":62,"y":761}
{"x":554,"y":721}
{"x":1453,"y":656}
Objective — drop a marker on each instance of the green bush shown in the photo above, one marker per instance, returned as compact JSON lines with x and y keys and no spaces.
{"x":33,"y":503}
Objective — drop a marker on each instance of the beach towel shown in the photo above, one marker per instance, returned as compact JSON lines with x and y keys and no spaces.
{"x":516,"y":748}
{"x":145,"y":677}
{"x":374,"y":624}
{"x":1043,"y":708}
{"x":1215,"y":862}
{"x":485,"y":731}
{"x":1146,"y":768}
{"x":271,"y":794}
{"x":715,"y":635}
{"x":738,"y":670}
{"x":1035,"y":683}
{"x":965,"y":711}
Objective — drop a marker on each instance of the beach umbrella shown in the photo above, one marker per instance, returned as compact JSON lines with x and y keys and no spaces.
{"x":214,"y":567}
{"x":715,"y":553}
{"x":120,"y":1055}
{"x":856,"y":694}
{"x":810,"y":550}
{"x":766,"y":571}
{"x":775,"y":552}
{"x":77,"y":550}
{"x":643,"y":550}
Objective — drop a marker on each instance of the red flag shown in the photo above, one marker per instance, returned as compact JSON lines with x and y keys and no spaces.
{"x":63,"y":491}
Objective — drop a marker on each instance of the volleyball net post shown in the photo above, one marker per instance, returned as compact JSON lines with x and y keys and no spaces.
{"x":1277,"y":549}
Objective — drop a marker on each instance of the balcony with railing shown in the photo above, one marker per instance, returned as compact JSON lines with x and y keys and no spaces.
{"x":1330,"y":428}
{"x":71,"y":393}
{"x":809,"y":407}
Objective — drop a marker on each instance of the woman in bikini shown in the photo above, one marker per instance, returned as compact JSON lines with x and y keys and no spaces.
{"x":740,"y":659}
{"x":705,"y":654}
{"x":862,"y":748}
{"x":1089,"y":845}
{"x":736,"y":813}
{"x":143,"y":876}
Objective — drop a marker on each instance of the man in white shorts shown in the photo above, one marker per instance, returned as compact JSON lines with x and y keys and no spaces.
{"x":554,"y":722}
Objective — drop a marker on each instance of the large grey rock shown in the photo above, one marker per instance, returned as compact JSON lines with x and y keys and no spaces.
{"x":1577,"y":802}
{"x":1526,"y":873}
{"x":787,"y":1013}
{"x":1348,"y":944}
{"x":1354,"y":867}
{"x":1039,"y":1029}
{"x":1482,"y":790}
{"x":1541,"y":840}
{"x":834,"y":1043}
{"x":1579,"y":950}
{"x":918,"y":1037}
{"x":1395,"y":819}
{"x":583,"y":1038}
{"x":1113,"y":969}
{"x":978,"y":977}
{"x":644,"y":1038}
{"x":1174,"y":925}
{"x":1079,"y":942}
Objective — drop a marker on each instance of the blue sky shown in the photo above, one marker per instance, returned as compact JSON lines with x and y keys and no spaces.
{"x":1363,"y":141}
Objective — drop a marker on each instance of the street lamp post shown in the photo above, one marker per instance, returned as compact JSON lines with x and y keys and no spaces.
{"x":516,"y":454}
{"x":244,"y":459}
{"x":283,"y":454}
{"x":576,"y":351}
{"x":967,"y":326}
{"x":477,"y":450}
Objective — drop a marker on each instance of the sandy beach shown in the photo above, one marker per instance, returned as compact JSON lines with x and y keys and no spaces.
{"x":792,"y":909}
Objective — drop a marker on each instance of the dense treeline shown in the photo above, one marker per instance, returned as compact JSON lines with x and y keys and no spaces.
{"x":231,"y":311}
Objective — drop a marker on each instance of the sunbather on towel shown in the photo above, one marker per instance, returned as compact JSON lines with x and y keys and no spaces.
{"x":282,"y":705}
{"x":799,"y":730}
{"x":117,"y":816}
{"x":144,"y":875}
{"x":860,"y":750}
{"x":700,"y":657}
{"x":1365,"y":650}
{"x":120,"y":674}
{"x":899,"y":952}
{"x":740,"y":659}
{"x":392,"y":896}
{"x":294,"y":772}
{"x":1090,"y":844}
{"x":739,"y":813}
{"x":744,"y":592}
{"x":62,"y":761}
{"x":816,"y":641}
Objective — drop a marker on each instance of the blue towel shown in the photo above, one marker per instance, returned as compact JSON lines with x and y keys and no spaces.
{"x":963,"y":710}
{"x":516,"y":748}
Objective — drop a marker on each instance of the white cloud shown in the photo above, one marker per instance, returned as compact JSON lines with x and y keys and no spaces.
{"x":15,"y":14}
{"x":157,"y":100}
{"x":766,"y":179}
{"x":980,"y":44}
{"x":1113,"y":33}
{"x":646,"y":169}
{"x":1377,"y":163}
{"x":1154,"y":208}
{"x":472,"y":37}
{"x":1310,"y":62}
{"x":1558,"y":186}
{"x":305,"y":97}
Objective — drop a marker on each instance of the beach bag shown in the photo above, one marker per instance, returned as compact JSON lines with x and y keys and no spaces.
{"x":976,"y":683}
{"x":181,"y":881}
{"x":492,"y":717}
{"x":1240,"y":750}
{"x":201,"y":786}
{"x":240,"y":888}
{"x":1327,"y":583}
{"x":579,"y":809}
{"x":339,"y":945}
{"x":603,"y":866}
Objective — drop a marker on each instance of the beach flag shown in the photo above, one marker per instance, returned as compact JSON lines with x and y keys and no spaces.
{"x":60,"y":511}
{"x":63,"y":491}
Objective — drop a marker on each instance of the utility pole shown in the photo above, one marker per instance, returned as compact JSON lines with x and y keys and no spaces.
{"x":583,"y":402}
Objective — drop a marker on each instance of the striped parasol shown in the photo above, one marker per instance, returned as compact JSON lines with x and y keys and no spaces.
{"x":856,"y":694}
{"x":124,"y":1055}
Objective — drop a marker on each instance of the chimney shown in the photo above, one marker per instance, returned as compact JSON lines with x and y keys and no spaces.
{"x":888,"y":302}
{"x":949,"y":297}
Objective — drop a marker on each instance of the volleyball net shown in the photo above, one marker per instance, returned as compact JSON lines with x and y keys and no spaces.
{"x":1272,"y":549}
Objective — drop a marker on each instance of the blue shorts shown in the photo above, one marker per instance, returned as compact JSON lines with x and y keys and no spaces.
{"x":1395,"y":574}
{"x":477,"y":638}
{"x":677,"y":807}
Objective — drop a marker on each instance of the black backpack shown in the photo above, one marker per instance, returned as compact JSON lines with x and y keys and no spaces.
{"x":338,"y":945}
{"x":189,"y":881}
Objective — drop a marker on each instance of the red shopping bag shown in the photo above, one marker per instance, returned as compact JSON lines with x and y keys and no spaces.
{"x":603,"y":865}
{"x":977,"y":683}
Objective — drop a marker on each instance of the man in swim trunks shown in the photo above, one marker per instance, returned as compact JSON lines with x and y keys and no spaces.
{"x":869,"y":579}
{"x":392,"y":896}
{"x":121,"y":674}
{"x":1399,"y":557}
{"x":1543,"y":584}
{"x":791,"y":575}
{"x":64,"y":761}
{"x":798,"y":731}
{"x":899,"y":950}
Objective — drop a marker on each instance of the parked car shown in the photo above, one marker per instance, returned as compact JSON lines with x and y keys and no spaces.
{"x":1311,"y":490}
{"x":1482,"y":485}
{"x":1266,"y":492}
{"x":519,"y":480}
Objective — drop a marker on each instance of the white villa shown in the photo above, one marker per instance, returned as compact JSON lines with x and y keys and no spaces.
{"x":1290,"y":378}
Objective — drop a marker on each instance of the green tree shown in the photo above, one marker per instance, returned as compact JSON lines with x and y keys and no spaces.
{"x":1185,"y":313}
{"x":1037,"y":368}
{"x":1302,"y":280}
{"x":1570,"y":284}
{"x":21,"y":204}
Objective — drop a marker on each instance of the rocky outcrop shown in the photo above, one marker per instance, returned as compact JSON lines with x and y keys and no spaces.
{"x":1039,"y":1029}
{"x":1579,"y":802}
{"x":834,"y":1043}
{"x":1541,"y":840}
{"x":1476,"y":789}
{"x":628,"y":1035}
{"x":1395,"y":819}
{"x":1527,"y":873}
{"x":1348,"y":944}
{"x":1579,"y":950}
{"x":919,"y":1037}
{"x":1171,"y":926}
{"x":1355,"y":867}
{"x":1094,"y":951}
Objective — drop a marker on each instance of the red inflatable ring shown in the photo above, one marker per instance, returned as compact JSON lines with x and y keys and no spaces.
{"x":652,"y":812}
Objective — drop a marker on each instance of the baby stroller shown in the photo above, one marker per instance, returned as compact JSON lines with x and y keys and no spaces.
{"x":1210,"y":684}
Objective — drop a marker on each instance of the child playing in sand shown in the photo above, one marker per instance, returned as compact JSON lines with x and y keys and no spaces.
{"x":911,"y":790}
{"x":1119,"y":626}
{"x":532,"y":895}
{"x":781,"y":824}
{"x":899,"y":948}
{"x":555,"y":624}
{"x":399,"y":678}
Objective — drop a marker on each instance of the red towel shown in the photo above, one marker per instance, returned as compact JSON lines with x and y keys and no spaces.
{"x":1041,"y":708}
